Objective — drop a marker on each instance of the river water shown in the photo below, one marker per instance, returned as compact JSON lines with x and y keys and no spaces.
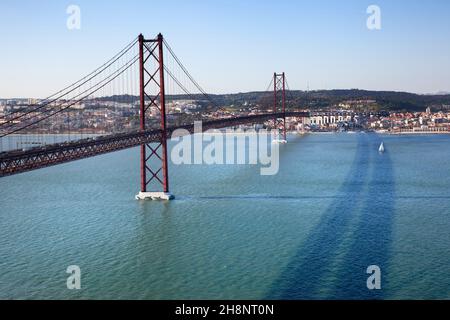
{"x":335,"y":207}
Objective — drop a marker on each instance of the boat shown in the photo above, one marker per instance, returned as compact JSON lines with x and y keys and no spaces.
{"x":381,"y":148}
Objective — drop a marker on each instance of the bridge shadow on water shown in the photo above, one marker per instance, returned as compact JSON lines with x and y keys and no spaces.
{"x":355,"y":232}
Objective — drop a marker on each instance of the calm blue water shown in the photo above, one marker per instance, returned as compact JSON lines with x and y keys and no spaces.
{"x":336,"y":207}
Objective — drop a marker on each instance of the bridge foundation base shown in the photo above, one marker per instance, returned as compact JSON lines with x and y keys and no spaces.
{"x":279,"y":141}
{"x":154,"y":196}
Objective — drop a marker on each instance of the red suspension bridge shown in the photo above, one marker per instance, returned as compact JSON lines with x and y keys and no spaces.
{"x":139,"y":70}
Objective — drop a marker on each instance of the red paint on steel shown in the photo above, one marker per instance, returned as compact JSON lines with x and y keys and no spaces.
{"x":142,"y":112}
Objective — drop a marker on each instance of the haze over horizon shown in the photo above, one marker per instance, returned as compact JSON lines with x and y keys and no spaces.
{"x":234,"y":47}
{"x":311,"y":90}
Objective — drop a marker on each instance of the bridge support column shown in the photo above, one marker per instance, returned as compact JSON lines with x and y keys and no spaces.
{"x":151,"y":54}
{"x":279,"y":85}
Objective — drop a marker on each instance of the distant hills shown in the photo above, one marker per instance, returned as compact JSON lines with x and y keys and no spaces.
{"x":320,"y":99}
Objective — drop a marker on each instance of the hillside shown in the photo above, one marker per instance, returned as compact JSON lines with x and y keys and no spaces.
{"x":321,"y":99}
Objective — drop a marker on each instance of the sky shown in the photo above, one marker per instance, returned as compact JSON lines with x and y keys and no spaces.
{"x":233,"y":46}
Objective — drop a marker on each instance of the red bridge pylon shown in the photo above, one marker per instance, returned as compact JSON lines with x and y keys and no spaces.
{"x":279,"y":88}
{"x":151,"y":76}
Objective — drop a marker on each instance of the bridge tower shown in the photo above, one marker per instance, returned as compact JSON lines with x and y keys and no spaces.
{"x":151,"y":79}
{"x":279,"y":86}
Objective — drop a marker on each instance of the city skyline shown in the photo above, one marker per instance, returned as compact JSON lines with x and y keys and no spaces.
{"x":322,"y":45}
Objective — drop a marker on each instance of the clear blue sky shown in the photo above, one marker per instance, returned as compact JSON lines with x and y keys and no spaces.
{"x":233,"y":46}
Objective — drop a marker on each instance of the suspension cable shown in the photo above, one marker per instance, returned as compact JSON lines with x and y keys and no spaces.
{"x":128,"y":65}
{"x":83,"y":81}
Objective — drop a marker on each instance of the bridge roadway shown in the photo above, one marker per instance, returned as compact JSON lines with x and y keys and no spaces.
{"x":18,"y":161}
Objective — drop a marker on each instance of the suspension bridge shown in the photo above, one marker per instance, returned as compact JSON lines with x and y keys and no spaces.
{"x":145,"y":74}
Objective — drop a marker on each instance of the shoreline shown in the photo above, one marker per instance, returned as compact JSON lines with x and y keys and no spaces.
{"x":297,"y":133}
{"x":377,"y":132}
{"x":418,"y":133}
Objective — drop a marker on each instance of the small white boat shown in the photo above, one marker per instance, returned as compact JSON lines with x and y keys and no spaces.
{"x":381,"y":148}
